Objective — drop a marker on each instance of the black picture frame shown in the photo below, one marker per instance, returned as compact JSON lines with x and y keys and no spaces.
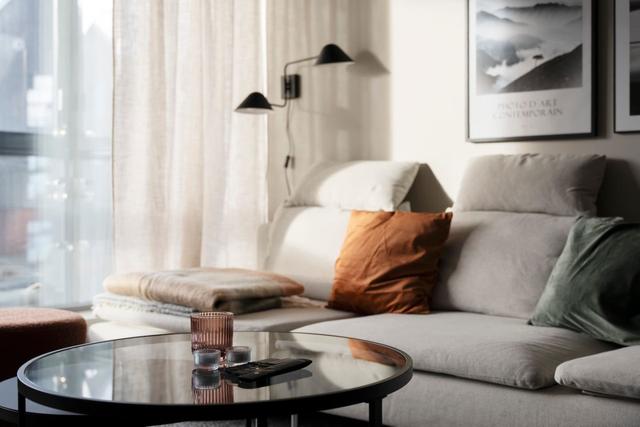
{"x":624,"y":119}
{"x":545,"y":128}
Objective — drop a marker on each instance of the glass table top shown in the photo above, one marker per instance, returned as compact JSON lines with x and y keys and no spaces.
{"x":159,"y":369}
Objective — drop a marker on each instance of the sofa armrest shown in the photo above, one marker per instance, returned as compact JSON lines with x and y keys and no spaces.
{"x":263,"y":244}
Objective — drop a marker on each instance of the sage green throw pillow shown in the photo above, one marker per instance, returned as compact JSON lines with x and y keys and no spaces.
{"x":595,"y":285}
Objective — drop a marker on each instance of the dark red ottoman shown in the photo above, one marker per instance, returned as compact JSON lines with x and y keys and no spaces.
{"x":28,"y":332}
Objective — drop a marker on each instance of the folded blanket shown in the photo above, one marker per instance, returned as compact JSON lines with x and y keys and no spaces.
{"x":122,"y":302}
{"x":136,"y":311}
{"x":207,"y":289}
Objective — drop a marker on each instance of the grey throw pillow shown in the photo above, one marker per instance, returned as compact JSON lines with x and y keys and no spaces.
{"x":595,"y":285}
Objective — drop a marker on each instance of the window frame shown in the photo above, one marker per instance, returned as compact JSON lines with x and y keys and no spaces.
{"x":18,"y":144}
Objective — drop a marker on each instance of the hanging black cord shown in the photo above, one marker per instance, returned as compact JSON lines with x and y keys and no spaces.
{"x":289,"y":159}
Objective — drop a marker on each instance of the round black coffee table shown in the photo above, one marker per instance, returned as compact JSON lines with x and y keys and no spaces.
{"x":149,"y":380}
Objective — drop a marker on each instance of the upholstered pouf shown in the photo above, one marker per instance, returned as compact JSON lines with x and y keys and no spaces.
{"x":29,"y":332}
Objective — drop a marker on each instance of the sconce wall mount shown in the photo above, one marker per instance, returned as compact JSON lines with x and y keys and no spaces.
{"x":291,"y":87}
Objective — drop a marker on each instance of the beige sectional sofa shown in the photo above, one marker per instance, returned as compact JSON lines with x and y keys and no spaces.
{"x":477,"y":361}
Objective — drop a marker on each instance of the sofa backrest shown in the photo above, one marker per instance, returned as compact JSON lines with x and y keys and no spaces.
{"x":307,"y":232}
{"x":554,"y":184}
{"x":511,"y":221}
{"x":304,"y":243}
{"x":498,"y":262}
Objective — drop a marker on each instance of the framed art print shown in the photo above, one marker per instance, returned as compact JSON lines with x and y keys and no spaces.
{"x":530,"y":69}
{"x":627,"y":66}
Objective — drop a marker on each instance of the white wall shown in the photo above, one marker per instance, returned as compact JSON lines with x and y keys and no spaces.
{"x":344,"y":112}
{"x":406,"y":100}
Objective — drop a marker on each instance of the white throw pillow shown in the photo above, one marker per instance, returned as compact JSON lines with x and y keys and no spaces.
{"x":359,"y":185}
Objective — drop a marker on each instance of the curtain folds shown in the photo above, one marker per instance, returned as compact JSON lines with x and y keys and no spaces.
{"x":189,"y":174}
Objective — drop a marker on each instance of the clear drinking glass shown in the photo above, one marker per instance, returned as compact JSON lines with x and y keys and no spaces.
{"x":212,"y":330}
{"x":237,"y":355}
{"x":206,"y":359}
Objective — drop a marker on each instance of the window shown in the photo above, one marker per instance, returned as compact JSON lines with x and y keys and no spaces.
{"x":55,"y":150}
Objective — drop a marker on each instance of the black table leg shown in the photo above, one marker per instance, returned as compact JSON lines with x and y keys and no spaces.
{"x":375,"y":413}
{"x":262,"y":422}
{"x":22,"y":410}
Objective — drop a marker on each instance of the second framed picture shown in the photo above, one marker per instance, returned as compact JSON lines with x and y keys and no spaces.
{"x":531,"y":69}
{"x":627,"y":66}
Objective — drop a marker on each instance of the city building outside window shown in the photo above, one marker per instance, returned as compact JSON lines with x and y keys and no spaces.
{"x":55,"y":150}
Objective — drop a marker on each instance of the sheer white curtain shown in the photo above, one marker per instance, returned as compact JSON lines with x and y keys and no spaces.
{"x":189,"y":173}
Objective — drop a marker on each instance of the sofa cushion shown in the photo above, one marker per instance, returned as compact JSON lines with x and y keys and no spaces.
{"x":389,"y":262}
{"x":613,"y":373}
{"x":595,"y":285}
{"x":304,"y":243}
{"x":559,"y":184}
{"x":120,"y":321}
{"x":434,"y":400}
{"x":362,"y":185}
{"x":499,"y":262}
{"x":493,"y":349}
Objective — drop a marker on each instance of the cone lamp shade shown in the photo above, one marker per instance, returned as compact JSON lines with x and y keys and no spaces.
{"x":255,"y":103}
{"x":332,"y":54}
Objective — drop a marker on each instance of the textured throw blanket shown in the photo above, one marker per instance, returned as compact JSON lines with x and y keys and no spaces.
{"x":131,"y":304}
{"x":207,"y":289}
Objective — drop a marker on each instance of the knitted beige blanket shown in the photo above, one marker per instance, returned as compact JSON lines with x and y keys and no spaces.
{"x":207,"y":289}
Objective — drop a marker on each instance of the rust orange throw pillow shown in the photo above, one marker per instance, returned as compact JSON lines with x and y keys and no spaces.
{"x":389,"y":262}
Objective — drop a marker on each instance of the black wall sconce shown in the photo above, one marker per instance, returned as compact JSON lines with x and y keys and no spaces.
{"x":257,"y":103}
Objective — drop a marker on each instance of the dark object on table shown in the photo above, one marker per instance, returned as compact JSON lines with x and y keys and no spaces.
{"x":263,"y":369}
{"x":278,"y":379}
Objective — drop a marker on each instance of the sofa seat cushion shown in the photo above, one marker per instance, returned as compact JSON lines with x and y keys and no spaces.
{"x":276,"y":320}
{"x":493,"y":349}
{"x":434,"y":400}
{"x":101,"y":331}
{"x":613,"y":373}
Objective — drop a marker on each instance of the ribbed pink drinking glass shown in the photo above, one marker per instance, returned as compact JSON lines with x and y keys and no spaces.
{"x":212,"y":330}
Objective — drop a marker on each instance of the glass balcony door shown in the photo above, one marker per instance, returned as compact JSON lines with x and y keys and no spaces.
{"x":55,"y":150}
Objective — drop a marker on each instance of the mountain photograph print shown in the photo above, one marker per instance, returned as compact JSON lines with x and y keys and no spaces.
{"x":530,"y":69}
{"x":627,"y":66}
